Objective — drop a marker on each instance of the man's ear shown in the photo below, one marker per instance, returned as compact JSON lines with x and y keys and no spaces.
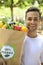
{"x":40,"y":24}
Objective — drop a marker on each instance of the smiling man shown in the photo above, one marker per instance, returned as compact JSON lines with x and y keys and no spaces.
{"x":33,"y":43}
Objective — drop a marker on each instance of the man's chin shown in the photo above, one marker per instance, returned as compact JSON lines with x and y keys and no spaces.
{"x":32,"y":30}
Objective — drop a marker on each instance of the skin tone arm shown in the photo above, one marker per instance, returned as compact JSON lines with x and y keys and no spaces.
{"x":2,"y":62}
{"x":41,"y":63}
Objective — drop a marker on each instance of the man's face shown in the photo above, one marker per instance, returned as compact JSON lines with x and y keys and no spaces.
{"x":32,"y":20}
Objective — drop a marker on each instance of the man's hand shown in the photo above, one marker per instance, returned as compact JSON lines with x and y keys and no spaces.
{"x":41,"y":63}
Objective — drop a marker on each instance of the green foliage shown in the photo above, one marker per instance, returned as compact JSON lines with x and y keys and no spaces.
{"x":15,"y":1}
{"x":18,"y":3}
{"x":4,"y":20}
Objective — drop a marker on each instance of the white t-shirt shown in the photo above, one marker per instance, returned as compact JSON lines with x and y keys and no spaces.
{"x":32,"y":51}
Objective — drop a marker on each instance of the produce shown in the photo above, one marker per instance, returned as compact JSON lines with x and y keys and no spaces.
{"x":1,"y":24}
{"x":4,"y":26}
{"x":17,"y":28}
{"x":13,"y":25}
{"x":24,"y":29}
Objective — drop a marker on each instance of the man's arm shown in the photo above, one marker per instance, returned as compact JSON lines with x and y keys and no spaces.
{"x":41,"y":63}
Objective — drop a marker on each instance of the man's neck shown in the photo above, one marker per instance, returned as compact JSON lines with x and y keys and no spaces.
{"x":32,"y":34}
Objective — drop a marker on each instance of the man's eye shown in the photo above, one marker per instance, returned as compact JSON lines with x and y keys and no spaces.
{"x":29,"y":19}
{"x":35,"y":19}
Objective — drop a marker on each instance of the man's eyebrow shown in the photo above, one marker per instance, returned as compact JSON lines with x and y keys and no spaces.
{"x":31,"y":17}
{"x":35,"y":17}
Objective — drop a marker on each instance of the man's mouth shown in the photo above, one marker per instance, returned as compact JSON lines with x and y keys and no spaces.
{"x":32,"y":25}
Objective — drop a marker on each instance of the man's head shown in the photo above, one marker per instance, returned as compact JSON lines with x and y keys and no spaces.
{"x":32,"y":18}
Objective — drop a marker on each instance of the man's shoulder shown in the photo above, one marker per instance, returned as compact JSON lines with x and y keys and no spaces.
{"x":40,"y":36}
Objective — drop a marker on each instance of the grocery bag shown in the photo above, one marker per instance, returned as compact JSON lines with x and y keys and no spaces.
{"x":11,"y":44}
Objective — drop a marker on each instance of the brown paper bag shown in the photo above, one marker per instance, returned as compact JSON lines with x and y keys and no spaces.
{"x":15,"y":40}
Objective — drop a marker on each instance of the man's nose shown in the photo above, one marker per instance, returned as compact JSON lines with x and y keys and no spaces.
{"x":32,"y":21}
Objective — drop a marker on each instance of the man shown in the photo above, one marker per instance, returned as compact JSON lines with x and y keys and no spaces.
{"x":33,"y":43}
{"x":2,"y":62}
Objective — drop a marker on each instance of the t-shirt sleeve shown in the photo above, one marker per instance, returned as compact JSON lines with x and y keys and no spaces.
{"x":41,"y":57}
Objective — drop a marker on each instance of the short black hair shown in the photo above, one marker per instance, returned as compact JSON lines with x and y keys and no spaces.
{"x":33,"y":9}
